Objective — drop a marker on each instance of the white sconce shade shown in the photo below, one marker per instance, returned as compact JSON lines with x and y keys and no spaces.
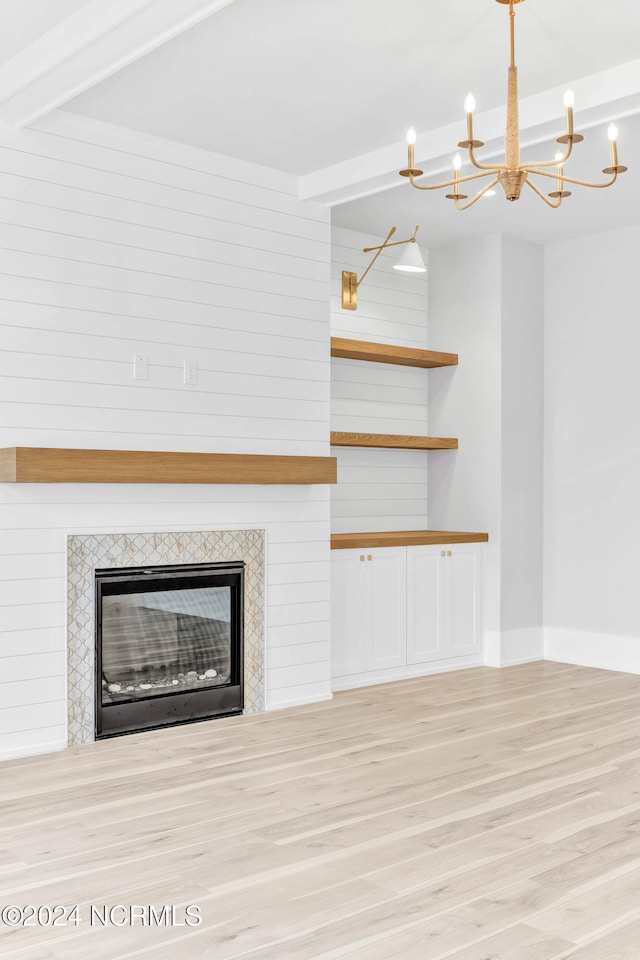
{"x":410,"y":260}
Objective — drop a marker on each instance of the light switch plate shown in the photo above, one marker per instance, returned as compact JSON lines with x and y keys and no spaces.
{"x":140,"y":363}
{"x":190,"y":371}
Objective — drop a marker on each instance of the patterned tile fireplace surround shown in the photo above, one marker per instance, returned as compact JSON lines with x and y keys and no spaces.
{"x":89,"y":552}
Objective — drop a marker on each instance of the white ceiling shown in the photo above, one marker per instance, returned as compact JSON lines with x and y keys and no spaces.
{"x":325,"y":89}
{"x":26,"y":20}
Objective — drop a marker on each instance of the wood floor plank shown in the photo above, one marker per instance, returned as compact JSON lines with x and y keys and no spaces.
{"x":619,"y":943}
{"x":472,"y":815}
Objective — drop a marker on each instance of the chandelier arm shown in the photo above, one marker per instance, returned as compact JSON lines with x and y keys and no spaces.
{"x":542,"y":196}
{"x":491,"y":167}
{"x":489,"y":186}
{"x":531,"y":167}
{"x":580,"y":183}
{"x":448,"y":183}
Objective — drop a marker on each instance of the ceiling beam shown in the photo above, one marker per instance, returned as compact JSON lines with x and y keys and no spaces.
{"x":609,"y":95}
{"x":90,"y":45}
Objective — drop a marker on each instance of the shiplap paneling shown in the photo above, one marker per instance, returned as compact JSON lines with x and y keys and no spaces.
{"x":113,"y":244}
{"x":378,"y":489}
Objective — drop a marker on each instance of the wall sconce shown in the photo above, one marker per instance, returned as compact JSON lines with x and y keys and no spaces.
{"x":409,"y":262}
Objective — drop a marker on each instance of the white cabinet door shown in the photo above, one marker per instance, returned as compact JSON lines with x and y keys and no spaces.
{"x":348,"y":610}
{"x":368,"y":610}
{"x":426,"y":638}
{"x":462,"y":603}
{"x":387,"y":608}
{"x":443,"y":601}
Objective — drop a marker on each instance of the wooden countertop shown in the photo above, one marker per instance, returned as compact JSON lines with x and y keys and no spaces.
{"x":403,"y":538}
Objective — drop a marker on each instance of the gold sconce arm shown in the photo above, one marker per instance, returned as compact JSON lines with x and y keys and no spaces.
{"x":379,"y":251}
{"x":350,"y":282}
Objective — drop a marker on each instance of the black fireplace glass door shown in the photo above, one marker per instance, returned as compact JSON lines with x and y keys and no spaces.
{"x":167,"y":633}
{"x":154,"y":643}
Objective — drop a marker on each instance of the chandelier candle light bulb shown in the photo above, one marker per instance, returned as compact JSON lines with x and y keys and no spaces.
{"x":457,"y":165}
{"x":569,"y":100}
{"x":469,"y":107}
{"x":612,"y":133}
{"x":411,"y":170}
{"x":513,"y":175}
{"x":559,"y":193}
{"x":558,"y":157}
{"x":411,"y":140}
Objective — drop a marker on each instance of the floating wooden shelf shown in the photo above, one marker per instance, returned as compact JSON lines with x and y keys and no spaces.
{"x":389,"y":353}
{"x":393,"y":440}
{"x":403,"y":538}
{"x":44,"y":465}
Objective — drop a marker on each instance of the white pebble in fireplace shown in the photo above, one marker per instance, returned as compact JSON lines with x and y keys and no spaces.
{"x":87,"y":553}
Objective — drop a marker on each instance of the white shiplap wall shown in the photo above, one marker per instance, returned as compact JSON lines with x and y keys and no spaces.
{"x":378,"y":489}
{"x":113,"y":244}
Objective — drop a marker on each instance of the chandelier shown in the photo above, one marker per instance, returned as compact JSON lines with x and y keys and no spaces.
{"x":513,"y":175}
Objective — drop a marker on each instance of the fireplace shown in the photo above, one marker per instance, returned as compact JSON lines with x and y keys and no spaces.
{"x":169,"y":645}
{"x":105,"y":550}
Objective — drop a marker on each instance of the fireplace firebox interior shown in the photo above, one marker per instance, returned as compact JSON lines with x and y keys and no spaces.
{"x":168,"y":645}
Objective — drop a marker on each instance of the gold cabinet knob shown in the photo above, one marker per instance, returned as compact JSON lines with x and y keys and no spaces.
{"x":361,"y":557}
{"x":442,"y":553}
{"x":448,"y":553}
{"x":369,"y":557}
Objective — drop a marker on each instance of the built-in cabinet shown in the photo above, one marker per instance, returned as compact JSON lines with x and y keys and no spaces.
{"x":403,"y":603}
{"x":396,"y":610}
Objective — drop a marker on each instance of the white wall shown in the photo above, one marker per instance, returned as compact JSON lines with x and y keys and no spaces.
{"x":485,"y":303}
{"x":466,"y":401}
{"x":114,"y":244}
{"x":592,"y":451}
{"x":378,"y":489}
{"x":522,"y":437}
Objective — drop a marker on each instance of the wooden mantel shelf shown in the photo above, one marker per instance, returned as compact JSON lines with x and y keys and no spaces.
{"x":59,"y":465}
{"x":393,"y":440}
{"x":390,"y":353}
{"x":403,"y":538}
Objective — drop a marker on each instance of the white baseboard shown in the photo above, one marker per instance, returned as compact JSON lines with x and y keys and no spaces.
{"x":300,"y":702}
{"x":604,"y":651}
{"x":34,"y":750}
{"x":511,"y":647}
{"x":403,"y":673}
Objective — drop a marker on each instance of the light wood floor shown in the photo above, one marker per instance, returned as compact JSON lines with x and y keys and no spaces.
{"x":479,"y":815}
